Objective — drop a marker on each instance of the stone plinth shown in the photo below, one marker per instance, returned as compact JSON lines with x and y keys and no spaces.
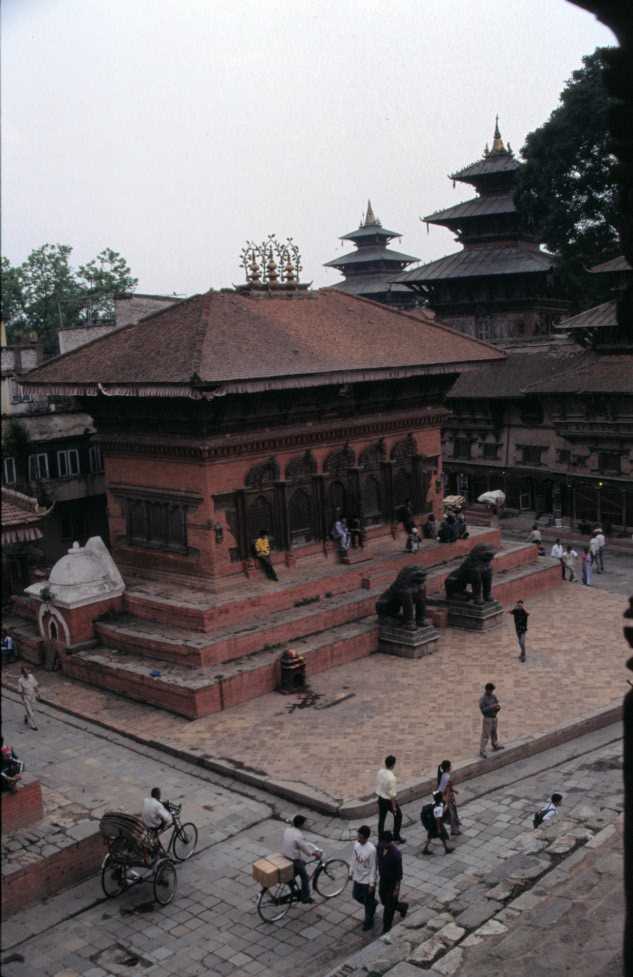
{"x":408,"y":643}
{"x":474,"y":617}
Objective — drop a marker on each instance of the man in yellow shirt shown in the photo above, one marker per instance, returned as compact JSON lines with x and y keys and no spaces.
{"x":262,"y":552}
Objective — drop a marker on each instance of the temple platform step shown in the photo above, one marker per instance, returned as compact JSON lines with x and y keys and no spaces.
{"x":194,"y":693}
{"x":256,"y":631}
{"x":196,"y":610}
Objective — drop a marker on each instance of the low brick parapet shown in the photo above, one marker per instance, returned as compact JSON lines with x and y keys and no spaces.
{"x":22,"y":808}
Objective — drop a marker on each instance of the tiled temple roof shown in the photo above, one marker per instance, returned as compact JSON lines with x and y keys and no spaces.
{"x":236,"y":342}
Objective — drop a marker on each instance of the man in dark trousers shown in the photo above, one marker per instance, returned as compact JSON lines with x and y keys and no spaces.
{"x":490,"y":708}
{"x":390,"y":869}
{"x":520,"y":616}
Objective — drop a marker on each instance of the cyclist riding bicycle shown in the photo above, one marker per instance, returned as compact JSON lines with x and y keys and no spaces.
{"x":295,"y":847}
{"x":156,"y":817}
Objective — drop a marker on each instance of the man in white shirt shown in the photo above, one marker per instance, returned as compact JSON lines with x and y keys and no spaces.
{"x":156,"y":817}
{"x":363,"y":875}
{"x":29,"y":690}
{"x":597,"y":545}
{"x":386,"y":792}
{"x":297,"y":849}
{"x":569,"y":563}
{"x":535,"y":534}
{"x":557,"y":553}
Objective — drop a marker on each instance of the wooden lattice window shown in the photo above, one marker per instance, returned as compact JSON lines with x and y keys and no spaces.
{"x":300,"y":515}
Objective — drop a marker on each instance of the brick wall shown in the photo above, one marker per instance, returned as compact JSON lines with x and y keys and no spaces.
{"x":23,"y":808}
{"x":47,"y":876}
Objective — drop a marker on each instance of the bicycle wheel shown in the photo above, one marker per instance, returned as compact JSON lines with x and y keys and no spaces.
{"x":274,"y":903}
{"x":331,"y":879}
{"x":113,"y":880}
{"x":165,"y":882}
{"x":185,"y":841}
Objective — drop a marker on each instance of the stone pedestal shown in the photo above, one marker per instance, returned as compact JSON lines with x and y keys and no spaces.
{"x":405,"y":643}
{"x":474,"y":617}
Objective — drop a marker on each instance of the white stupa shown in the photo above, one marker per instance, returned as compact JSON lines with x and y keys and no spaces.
{"x":86,"y":574}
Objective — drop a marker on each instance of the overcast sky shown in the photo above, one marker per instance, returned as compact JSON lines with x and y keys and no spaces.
{"x":173,"y":130}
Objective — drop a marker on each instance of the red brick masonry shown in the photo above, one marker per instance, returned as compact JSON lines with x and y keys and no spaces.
{"x":23,"y":808}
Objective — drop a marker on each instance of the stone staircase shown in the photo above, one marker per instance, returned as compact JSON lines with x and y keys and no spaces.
{"x":194,"y":657}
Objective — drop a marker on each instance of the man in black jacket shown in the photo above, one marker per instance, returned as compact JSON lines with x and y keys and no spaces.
{"x":520,"y":616}
{"x":390,"y":869}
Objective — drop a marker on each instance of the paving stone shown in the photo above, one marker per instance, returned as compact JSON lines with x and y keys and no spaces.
{"x":478,"y":913}
{"x":491,"y":928}
{"x":402,"y":969}
{"x":438,"y":922}
{"x":527,"y":901}
{"x":418,"y":918}
{"x":427,"y":952}
{"x":451,"y":933}
{"x":500,"y":892}
{"x":449,"y":964}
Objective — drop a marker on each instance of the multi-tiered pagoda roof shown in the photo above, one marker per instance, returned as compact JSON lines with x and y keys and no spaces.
{"x":501,"y":271}
{"x":369,"y":269}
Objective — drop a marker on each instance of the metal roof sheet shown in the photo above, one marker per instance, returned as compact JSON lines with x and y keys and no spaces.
{"x":477,"y":262}
{"x":599,"y":317}
{"x":372,"y":253}
{"x":498,"y":203}
{"x":489,"y":166}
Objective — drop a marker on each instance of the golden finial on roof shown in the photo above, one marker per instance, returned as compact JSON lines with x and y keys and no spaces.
{"x":370,"y":217}
{"x":497,"y":142}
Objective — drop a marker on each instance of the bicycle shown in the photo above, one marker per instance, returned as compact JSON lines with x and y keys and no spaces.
{"x":184,"y":837}
{"x":328,"y":879}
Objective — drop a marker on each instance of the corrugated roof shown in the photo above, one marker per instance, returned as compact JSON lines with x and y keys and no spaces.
{"x":476,"y":262}
{"x":373,"y":253}
{"x":507,"y":379}
{"x":489,"y":166}
{"x":234,"y":342}
{"x":497,"y":203}
{"x":19,"y":516}
{"x":369,"y":230}
{"x":599,"y":317}
{"x":591,"y":372}
{"x":370,"y":285}
{"x":615,"y":264}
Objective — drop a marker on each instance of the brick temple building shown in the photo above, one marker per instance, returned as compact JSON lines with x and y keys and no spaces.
{"x":501,"y":285}
{"x":370,"y":270}
{"x":261,"y":408}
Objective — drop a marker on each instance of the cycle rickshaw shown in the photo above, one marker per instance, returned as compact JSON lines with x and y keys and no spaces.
{"x":135,"y":855}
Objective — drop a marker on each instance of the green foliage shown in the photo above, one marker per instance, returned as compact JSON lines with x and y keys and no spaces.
{"x":15,"y":441}
{"x":567,"y":188}
{"x":44,"y":294}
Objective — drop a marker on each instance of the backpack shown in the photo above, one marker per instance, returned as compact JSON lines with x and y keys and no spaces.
{"x":427,"y":818}
{"x":539,"y":817}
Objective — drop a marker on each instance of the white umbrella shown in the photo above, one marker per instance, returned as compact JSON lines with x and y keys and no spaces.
{"x":496,"y":497}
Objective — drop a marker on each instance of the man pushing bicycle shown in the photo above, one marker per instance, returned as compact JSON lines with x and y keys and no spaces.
{"x":295,"y":847}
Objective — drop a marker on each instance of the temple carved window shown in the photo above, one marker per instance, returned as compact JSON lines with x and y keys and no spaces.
{"x":265,"y":473}
{"x":371,"y":499}
{"x":461,"y":448}
{"x":260,"y":516}
{"x":301,"y":467}
{"x":154,"y":519}
{"x":337,"y":462}
{"x":300,"y":516}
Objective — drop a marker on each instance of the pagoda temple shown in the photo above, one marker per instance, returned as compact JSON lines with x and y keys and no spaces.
{"x":501,"y":285}
{"x":369,"y":271}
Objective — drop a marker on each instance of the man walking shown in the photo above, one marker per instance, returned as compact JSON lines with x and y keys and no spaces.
{"x":569,"y":563}
{"x":557,"y":553}
{"x":363,"y":871}
{"x":597,"y":545}
{"x":297,"y":849}
{"x":386,"y":791}
{"x":489,"y":706}
{"x":262,"y":552}
{"x":520,"y":616}
{"x":29,"y":690}
{"x":390,"y":868}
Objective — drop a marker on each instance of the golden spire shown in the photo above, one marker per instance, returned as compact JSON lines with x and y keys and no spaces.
{"x":497,"y":142}
{"x":370,"y":217}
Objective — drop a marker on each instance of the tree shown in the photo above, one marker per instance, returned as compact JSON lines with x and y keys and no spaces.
{"x":45,"y":295}
{"x":567,"y":188}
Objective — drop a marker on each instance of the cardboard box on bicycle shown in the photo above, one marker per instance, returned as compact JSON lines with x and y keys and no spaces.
{"x":273,"y":869}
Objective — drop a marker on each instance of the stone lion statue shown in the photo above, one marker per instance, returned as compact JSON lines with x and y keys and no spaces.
{"x":404,"y":602}
{"x":476,"y":572}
